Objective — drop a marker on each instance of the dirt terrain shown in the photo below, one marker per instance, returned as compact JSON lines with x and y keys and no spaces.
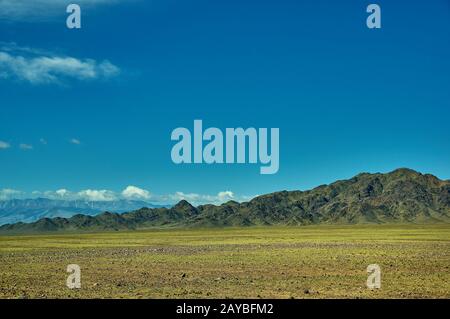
{"x":262,"y":262}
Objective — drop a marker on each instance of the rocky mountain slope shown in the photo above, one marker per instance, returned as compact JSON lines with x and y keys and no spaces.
{"x":402,"y":196}
{"x":31,"y":210}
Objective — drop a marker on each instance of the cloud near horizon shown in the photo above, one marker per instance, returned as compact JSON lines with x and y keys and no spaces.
{"x":133,"y":192}
{"x":37,"y":67}
{"x":221,"y":197}
{"x":4,"y":145}
{"x":8,"y":193}
{"x":129,"y":193}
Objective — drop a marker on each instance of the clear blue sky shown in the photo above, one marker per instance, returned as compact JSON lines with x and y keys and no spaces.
{"x":346,"y":99}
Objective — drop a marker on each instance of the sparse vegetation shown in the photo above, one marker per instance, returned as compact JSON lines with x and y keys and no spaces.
{"x":254,"y":262}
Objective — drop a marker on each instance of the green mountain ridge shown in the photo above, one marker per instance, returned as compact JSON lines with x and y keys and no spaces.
{"x":401,"y":196}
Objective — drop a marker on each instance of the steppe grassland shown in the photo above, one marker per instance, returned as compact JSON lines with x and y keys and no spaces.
{"x":257,"y":262}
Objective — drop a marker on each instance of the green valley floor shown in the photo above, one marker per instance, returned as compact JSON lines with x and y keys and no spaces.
{"x":258,"y":262}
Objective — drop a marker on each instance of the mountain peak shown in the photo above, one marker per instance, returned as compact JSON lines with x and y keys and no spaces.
{"x":404,"y":171}
{"x":185,"y":208}
{"x":182,"y":204}
{"x":231,"y":203}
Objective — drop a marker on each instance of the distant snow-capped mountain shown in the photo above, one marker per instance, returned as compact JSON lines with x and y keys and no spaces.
{"x":30,"y":210}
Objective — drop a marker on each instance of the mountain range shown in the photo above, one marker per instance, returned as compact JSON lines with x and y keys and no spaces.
{"x":31,"y":210}
{"x":401,"y":196}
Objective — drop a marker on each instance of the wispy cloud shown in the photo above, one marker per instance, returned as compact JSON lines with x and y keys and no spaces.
{"x":8,"y":193}
{"x":75,"y":141}
{"x":25,"y":146}
{"x":93,"y":195}
{"x":21,"y":10}
{"x":38,"y":67}
{"x":43,"y":141}
{"x":4,"y":145}
{"x":15,"y":48}
{"x":197,"y":199}
{"x":97,"y":195}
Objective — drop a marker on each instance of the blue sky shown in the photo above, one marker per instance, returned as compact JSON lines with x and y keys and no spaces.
{"x":93,"y":109}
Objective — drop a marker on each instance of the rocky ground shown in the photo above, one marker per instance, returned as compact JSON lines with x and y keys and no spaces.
{"x":282,"y":262}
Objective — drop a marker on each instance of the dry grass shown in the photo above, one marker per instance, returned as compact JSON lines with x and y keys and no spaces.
{"x":271,"y":262}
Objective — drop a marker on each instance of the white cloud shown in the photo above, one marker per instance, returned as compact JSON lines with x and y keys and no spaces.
{"x":199,"y":199}
{"x":53,"y":69}
{"x":108,"y":69}
{"x":8,"y":193}
{"x":4,"y":145}
{"x":14,"y":48}
{"x":97,"y":195}
{"x":225,"y":196}
{"x":39,"y":67}
{"x":192,"y":197}
{"x":133,"y":192}
{"x":62,"y":192}
{"x":26,"y":147}
{"x":43,"y":141}
{"x":75,"y":141}
{"x":130,"y":193}
{"x":86,"y":195}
